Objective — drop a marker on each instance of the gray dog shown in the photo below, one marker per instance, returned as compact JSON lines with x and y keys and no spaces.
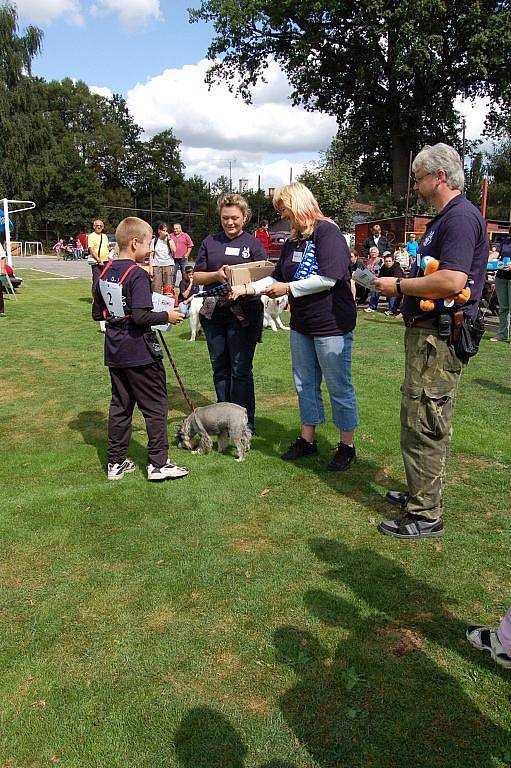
{"x":226,"y":420}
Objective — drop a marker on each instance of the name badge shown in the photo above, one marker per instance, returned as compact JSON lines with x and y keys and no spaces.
{"x":297,"y":256}
{"x":112,"y":296}
{"x":232,"y":251}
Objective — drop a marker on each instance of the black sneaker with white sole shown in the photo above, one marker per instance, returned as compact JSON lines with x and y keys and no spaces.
{"x":412,"y":527}
{"x":397,"y":498}
{"x":299,"y":449}
{"x":117,"y":471}
{"x":345,"y":456}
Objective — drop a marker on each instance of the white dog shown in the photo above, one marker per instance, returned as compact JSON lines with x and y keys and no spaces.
{"x":195,"y":307}
{"x":272,"y":311}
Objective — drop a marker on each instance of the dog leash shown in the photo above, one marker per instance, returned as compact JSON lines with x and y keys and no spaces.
{"x":178,"y":377}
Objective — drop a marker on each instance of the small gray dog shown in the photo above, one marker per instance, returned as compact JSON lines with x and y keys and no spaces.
{"x":227,"y":420}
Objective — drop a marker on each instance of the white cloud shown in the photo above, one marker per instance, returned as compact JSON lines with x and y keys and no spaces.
{"x":179,"y":98}
{"x":132,"y":13}
{"x":475,"y":113}
{"x":256,"y":167}
{"x":47,"y":11}
{"x":101,"y":90}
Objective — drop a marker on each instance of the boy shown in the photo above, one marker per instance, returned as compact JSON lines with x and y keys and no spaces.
{"x":123,"y":299}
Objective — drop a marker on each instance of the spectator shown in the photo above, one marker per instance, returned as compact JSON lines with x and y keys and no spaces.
{"x":161,"y":259}
{"x":496,"y":640}
{"x":263,"y":235}
{"x":402,"y":257}
{"x":187,"y":290}
{"x":503,"y":290}
{"x":232,"y":329}
{"x":78,"y":249}
{"x":184,"y":245}
{"x":59,"y":248}
{"x":3,"y":271}
{"x":412,"y":246}
{"x":98,"y":251}
{"x":494,"y":253}
{"x":313,"y":270}
{"x":375,"y":239}
{"x":359,"y":292}
{"x":389,"y":268}
{"x":373,"y":264}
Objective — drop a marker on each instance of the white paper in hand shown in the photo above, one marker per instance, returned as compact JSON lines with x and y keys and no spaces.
{"x":162,"y":303}
{"x":364,"y":277}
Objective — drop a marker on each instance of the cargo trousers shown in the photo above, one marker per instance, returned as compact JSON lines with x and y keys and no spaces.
{"x":432,"y":373}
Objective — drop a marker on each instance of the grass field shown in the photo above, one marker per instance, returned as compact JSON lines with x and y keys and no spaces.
{"x":250,"y":615}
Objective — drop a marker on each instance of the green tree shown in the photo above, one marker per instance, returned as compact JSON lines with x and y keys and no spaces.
{"x":332,"y":182}
{"x":499,"y":190}
{"x":388,"y":71}
{"x":474,"y":179}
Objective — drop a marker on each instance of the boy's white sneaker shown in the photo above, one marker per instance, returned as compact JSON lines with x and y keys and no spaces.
{"x":169,"y":471}
{"x":117,"y":471}
{"x":485,"y":639}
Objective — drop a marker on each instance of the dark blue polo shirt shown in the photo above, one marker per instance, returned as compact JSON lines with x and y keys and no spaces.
{"x":124,"y":343}
{"x":458,"y":237}
{"x":327,"y":313}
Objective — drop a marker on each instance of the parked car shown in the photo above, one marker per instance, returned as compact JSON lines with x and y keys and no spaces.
{"x":277,"y":241}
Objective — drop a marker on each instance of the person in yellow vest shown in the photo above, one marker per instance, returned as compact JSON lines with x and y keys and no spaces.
{"x":98,"y":246}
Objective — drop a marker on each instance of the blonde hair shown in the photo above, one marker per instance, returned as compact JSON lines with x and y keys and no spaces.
{"x":233,"y":198}
{"x":129,"y":228}
{"x":305,"y":211}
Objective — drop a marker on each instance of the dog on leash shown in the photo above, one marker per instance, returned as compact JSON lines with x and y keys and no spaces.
{"x":227,"y":420}
{"x":195,"y":307}
{"x":272,"y":311}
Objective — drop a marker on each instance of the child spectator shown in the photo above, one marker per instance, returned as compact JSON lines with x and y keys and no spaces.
{"x":388,"y":269}
{"x":412,"y":246}
{"x":59,"y":248}
{"x":187,"y":290}
{"x":123,"y":298}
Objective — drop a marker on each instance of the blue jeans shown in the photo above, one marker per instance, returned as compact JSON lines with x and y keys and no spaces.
{"x":231,"y":350}
{"x":184,"y":309}
{"x":315,"y":357}
{"x":394,"y":302}
{"x":179,"y":264}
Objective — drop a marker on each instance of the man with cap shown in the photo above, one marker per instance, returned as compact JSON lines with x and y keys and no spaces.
{"x":457,"y":238}
{"x":187,"y":290}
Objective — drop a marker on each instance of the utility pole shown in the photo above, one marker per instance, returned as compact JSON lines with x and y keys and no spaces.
{"x":463,"y":129}
{"x":291,"y":175}
{"x":230,"y":175}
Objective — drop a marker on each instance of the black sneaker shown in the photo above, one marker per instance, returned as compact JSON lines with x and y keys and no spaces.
{"x":344,"y":457}
{"x":300,"y":448}
{"x":412,"y":527}
{"x":397,"y":498}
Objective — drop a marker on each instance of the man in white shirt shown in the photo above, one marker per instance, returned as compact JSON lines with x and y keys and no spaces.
{"x":161,"y":259}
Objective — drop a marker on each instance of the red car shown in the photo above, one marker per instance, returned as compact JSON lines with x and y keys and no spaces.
{"x":277,"y":241}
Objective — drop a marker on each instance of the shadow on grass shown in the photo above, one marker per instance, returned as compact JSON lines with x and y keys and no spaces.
{"x":206,"y":739}
{"x":383,"y":697}
{"x":489,"y":384}
{"x":357,"y":483}
{"x":93,"y":426}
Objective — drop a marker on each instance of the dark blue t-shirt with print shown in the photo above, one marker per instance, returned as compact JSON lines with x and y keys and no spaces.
{"x":330,"y":312}
{"x":183,"y":286}
{"x":124,"y":343}
{"x":458,"y":238}
{"x":217,"y":250}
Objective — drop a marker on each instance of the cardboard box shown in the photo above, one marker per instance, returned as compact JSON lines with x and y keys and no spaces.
{"x":238,"y":274}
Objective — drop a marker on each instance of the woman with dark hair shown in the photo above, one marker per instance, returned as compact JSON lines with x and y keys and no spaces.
{"x":232,"y":328}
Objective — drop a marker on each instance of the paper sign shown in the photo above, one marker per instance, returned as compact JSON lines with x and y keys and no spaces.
{"x":112,"y":296}
{"x":364,"y":277}
{"x":162,"y":303}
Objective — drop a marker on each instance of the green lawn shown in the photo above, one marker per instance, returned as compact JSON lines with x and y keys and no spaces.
{"x":250,"y":615}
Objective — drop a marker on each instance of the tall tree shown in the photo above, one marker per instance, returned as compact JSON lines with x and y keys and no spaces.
{"x":388,"y":71}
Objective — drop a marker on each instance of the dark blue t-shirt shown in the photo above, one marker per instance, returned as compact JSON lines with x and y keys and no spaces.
{"x":183,"y":285}
{"x":217,"y":250}
{"x":124,"y":343}
{"x":457,"y":236}
{"x":331,"y":312}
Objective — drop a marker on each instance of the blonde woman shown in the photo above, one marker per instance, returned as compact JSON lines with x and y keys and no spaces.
{"x":313,"y":271}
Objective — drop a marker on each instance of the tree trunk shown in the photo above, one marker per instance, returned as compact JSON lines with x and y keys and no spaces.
{"x":400,"y":161}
